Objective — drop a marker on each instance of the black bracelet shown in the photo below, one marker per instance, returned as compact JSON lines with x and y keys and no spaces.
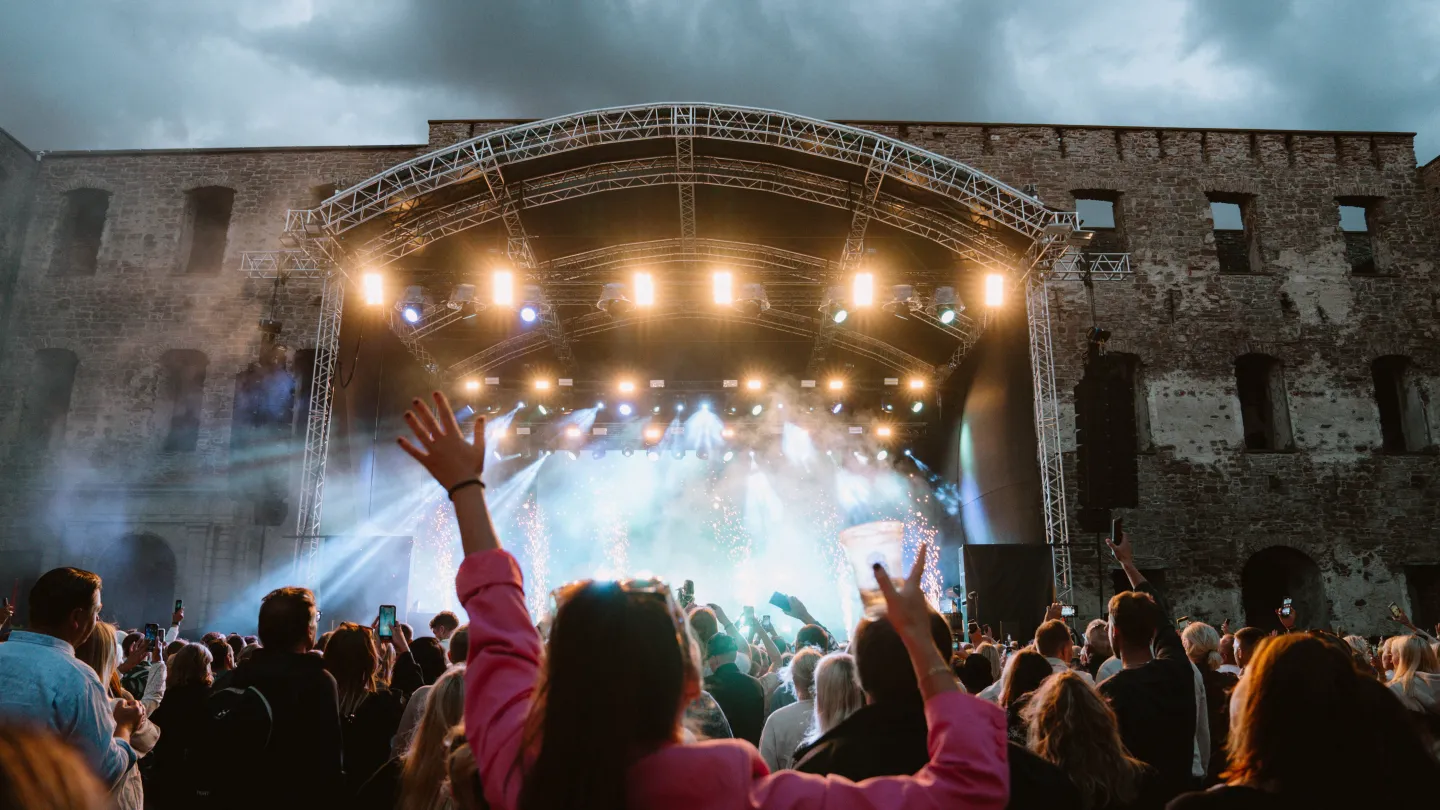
{"x":467,"y":482}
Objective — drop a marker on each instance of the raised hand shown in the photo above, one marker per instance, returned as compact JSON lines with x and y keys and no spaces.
{"x":719,"y":614}
{"x":1287,"y":622}
{"x":1052,"y":612}
{"x":1124,"y":551}
{"x":443,"y":450}
{"x":177,"y":617}
{"x":907,"y":608}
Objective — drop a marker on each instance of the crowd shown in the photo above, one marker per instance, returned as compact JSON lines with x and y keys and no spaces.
{"x":629,"y":696}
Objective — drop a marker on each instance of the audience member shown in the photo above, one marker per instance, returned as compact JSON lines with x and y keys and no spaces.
{"x":413,"y":780}
{"x":788,"y":726}
{"x":1097,"y":647}
{"x":369,"y":713}
{"x":990,"y":651}
{"x":1052,"y":640}
{"x":1302,"y":720}
{"x":1069,"y":725}
{"x":222,"y":658}
{"x":430,"y":657}
{"x":740,"y":696}
{"x":46,"y":686}
{"x":302,"y":765}
{"x":443,"y":627}
{"x":459,"y":648}
{"x":1156,"y":697}
{"x":237,"y":643}
{"x":975,"y":674}
{"x":1202,"y":643}
{"x":837,"y":694}
{"x":1247,"y":641}
{"x":1228,"y":666}
{"x":38,"y":771}
{"x":1417,"y":682}
{"x":99,"y":653}
{"x":1024,"y":673}
{"x":169,"y":779}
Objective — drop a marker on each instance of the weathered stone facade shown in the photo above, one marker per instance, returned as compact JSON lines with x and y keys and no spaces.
{"x":1367,"y":518}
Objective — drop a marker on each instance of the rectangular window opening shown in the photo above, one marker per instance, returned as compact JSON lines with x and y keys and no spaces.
{"x":207,"y":220}
{"x":1356,"y":229}
{"x":82,"y":225}
{"x":1235,"y":246}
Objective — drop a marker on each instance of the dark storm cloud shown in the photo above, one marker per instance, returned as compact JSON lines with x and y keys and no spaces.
{"x":107,"y":74}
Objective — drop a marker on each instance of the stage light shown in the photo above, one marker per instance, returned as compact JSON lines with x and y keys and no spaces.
{"x":945,"y":305}
{"x":723,"y":287}
{"x":652,"y":455}
{"x":502,"y":290}
{"x":374,"y":287}
{"x":613,"y":300}
{"x":598,"y":453}
{"x":902,"y":301}
{"x":882,"y":455}
{"x":755,"y":411}
{"x":572,"y":432}
{"x":994,"y":290}
{"x":883,"y":431}
{"x":862,"y":292}
{"x":678,"y":453}
{"x":729,"y":454}
{"x":705,"y":406}
{"x":519,"y":405}
{"x":655,"y":409}
{"x":752,"y":300}
{"x":837,"y":407}
{"x":947,"y":316}
{"x":572,"y":455}
{"x":410,"y":313}
{"x":644,"y":290}
{"x":753,"y":385}
{"x":626,"y":386}
{"x":472,"y":385}
{"x":653,"y":434}
{"x":543,"y":411}
{"x":727,"y":433}
{"x":702,"y":454}
{"x":917,"y":384}
{"x":917,"y":406}
{"x":542,"y":385}
{"x":627,"y":452}
{"x":528,"y":313}
{"x":625,"y":409}
{"x":837,"y":385}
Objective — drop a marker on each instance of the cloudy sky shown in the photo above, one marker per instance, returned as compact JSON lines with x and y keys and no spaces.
{"x":150,"y":73}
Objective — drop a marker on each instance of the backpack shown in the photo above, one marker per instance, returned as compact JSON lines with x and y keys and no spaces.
{"x":238,"y":722}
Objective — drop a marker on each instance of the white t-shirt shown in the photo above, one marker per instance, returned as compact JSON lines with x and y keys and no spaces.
{"x":783,"y":731}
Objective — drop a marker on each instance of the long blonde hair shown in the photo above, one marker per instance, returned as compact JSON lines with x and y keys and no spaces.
{"x":990,"y":653}
{"x":837,"y":692}
{"x":427,"y":760}
{"x":1412,"y":655}
{"x":1071,"y":726}
{"x":1202,"y":645}
{"x":99,"y":652}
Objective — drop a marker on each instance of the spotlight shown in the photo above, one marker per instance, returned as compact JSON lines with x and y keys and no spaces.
{"x":729,"y":454}
{"x":755,"y":411}
{"x":411,"y":314}
{"x":652,"y":455}
{"x":626,"y":386}
{"x":542,"y":385}
{"x":723,"y":284}
{"x":704,"y":406}
{"x":902,"y":300}
{"x":472,"y":385}
{"x":572,"y":432}
{"x":502,"y":291}
{"x":655,"y":409}
{"x":572,"y":455}
{"x":625,"y":409}
{"x":678,"y":453}
{"x":529,"y":313}
{"x":519,"y":405}
{"x":543,"y":411}
{"x":653,"y":434}
{"x":702,"y":454}
{"x":882,"y":455}
{"x":947,"y":316}
{"x":644,"y":290}
{"x":917,"y":406}
{"x":837,"y":385}
{"x":598,"y":453}
{"x":883,"y":431}
{"x":917,"y":384}
{"x":837,"y":407}
{"x":834,"y":306}
{"x":679,"y":404}
{"x":374,"y":287}
{"x":627,"y":452}
{"x":946,"y":306}
{"x":753,"y":385}
{"x":727,"y":433}
{"x":599,"y":406}
{"x":862,"y":291}
{"x":839,"y":315}
{"x":613,"y":301}
{"x":994,"y":290}
{"x":752,"y":300}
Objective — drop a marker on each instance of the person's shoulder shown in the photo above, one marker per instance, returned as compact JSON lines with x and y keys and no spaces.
{"x":1224,"y":797}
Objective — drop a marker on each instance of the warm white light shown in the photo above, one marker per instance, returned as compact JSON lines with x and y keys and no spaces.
{"x":502,"y":288}
{"x":882,"y":431}
{"x":472,"y":385}
{"x":862,"y":294}
{"x":374,"y":286}
{"x":723,"y":286}
{"x":542,"y":385}
{"x":572,"y":432}
{"x":644,"y":290}
{"x":728,"y":433}
{"x":836,"y":385}
{"x":917,"y":384}
{"x":994,"y":290}
{"x":653,"y":434}
{"x":753,"y":385}
{"x":626,"y":386}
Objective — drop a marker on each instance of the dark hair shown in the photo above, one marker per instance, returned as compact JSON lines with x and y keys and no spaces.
{"x":351,"y":657}
{"x":222,"y":655}
{"x":460,"y":644}
{"x":1051,"y":638}
{"x":214,"y":636}
{"x":1248,"y":638}
{"x":1306,"y":711}
{"x":582,"y":744}
{"x":191,"y":665}
{"x":236,"y":643}
{"x":1023,"y":674}
{"x":812,"y":635}
{"x":704,"y":624}
{"x":405,"y":631}
{"x":39,"y":771}
{"x":128,"y":643}
{"x":285,"y":616}
{"x":1136,"y":616}
{"x":58,"y":593}
{"x":975,"y":674}
{"x":445,"y":619}
{"x":430,"y":656}
{"x":883,"y":663}
{"x":175,"y":647}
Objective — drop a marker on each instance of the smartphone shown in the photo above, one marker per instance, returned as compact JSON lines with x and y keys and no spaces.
{"x":386,"y":628}
{"x":1395,"y":611}
{"x":765,"y":623}
{"x":152,"y":632}
{"x":1117,"y":530}
{"x":972,"y":629}
{"x":781,"y":601}
{"x":1067,"y":611}
{"x":1285,"y":607}
{"x":687,"y":593}
{"x":179,"y":605}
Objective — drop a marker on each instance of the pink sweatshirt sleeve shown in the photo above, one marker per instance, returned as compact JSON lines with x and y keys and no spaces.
{"x":968,"y":769}
{"x":500,"y":672}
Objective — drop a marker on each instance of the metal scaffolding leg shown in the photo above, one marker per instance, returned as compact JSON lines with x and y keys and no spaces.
{"x":1047,"y":434}
{"x":317,"y":428}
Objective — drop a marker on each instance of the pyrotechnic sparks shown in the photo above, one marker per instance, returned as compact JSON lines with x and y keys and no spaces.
{"x":537,"y":552}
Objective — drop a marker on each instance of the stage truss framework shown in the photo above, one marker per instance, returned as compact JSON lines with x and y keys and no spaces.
{"x":317,"y":250}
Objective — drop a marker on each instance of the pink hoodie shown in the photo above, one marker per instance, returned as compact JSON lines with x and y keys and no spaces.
{"x":967,"y":769}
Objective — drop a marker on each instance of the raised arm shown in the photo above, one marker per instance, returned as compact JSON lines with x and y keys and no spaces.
{"x":456,"y":465}
{"x":1167,"y":640}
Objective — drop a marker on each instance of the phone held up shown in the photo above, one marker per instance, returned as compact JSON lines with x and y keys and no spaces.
{"x":1067,"y":611}
{"x":386,"y":628}
{"x":152,"y":632}
{"x":781,"y":601}
{"x":1286,"y":608}
{"x":1117,"y":531}
{"x":1395,"y":612}
{"x":179,"y":605}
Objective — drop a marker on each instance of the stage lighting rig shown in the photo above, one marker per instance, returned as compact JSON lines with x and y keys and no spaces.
{"x":834,"y":307}
{"x":902,"y":301}
{"x":994,"y":290}
{"x":598,"y":453}
{"x":373,"y":285}
{"x":472,"y":385}
{"x":652,"y":455}
{"x":626,"y":409}
{"x":411,"y":305}
{"x":945,"y":306}
{"x":723,"y":288}
{"x":644,"y":290}
{"x":627,"y":452}
{"x":502,"y":288}
{"x":462,"y":298}
{"x":614,"y":302}
{"x":862,"y":290}
{"x":752,"y":300}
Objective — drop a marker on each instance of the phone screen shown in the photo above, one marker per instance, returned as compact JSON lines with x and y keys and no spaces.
{"x":1117,"y":530}
{"x":152,"y":631}
{"x":780,"y":600}
{"x":765,"y":623}
{"x":1067,"y":611}
{"x":1394,"y":610}
{"x":178,"y":604}
{"x":386,"y":628}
